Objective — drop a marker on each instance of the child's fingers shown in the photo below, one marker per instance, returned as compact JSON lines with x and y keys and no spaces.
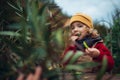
{"x":30,"y":77}
{"x":91,"y":50}
{"x":21,"y":76}
{"x":73,"y":38}
{"x":87,"y":51}
{"x":38,"y":73}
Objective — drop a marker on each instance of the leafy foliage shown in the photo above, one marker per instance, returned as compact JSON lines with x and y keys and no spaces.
{"x":116,"y":37}
{"x":30,"y":41}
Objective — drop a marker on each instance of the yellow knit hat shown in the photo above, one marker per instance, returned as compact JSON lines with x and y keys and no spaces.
{"x":82,"y":18}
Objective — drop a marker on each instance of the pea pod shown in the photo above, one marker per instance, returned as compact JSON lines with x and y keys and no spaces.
{"x":85,"y":44}
{"x":78,"y":35}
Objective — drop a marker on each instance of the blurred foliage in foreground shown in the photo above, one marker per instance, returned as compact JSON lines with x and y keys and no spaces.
{"x":32,"y":40}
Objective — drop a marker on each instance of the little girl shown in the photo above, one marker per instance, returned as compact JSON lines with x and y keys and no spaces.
{"x":82,"y":30}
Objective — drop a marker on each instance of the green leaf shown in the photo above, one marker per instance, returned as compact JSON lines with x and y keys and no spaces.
{"x":9,"y":33}
{"x":39,"y":53}
{"x":59,"y":37}
{"x":67,"y":56}
{"x":19,"y":15}
{"x":43,"y":8}
{"x":13,"y":6}
{"x":19,"y":5}
{"x":74,"y":67}
{"x":89,"y":64}
{"x":20,"y":64}
{"x":103,"y":69}
{"x":15,"y":26}
{"x":76,"y":56}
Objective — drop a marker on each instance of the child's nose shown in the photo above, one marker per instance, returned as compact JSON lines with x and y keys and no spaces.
{"x":75,"y":29}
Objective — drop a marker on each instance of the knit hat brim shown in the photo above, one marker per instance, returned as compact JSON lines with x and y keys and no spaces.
{"x":82,"y":18}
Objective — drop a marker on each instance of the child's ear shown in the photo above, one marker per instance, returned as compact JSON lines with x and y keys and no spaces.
{"x":91,"y":31}
{"x":87,"y":28}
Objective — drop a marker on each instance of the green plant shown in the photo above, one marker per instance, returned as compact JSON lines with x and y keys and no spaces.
{"x":30,"y":41}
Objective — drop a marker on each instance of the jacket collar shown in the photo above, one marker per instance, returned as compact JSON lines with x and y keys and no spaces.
{"x":89,"y":41}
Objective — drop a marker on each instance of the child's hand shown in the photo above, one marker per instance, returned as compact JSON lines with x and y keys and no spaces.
{"x":73,"y":38}
{"x":35,"y":76}
{"x":93,"y":52}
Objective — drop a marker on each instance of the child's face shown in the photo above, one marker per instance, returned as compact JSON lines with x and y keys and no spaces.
{"x":79,"y":29}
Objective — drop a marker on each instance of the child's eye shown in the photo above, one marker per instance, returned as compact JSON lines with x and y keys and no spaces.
{"x":80,"y":26}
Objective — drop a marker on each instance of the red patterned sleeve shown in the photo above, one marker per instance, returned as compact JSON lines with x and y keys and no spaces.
{"x":104,"y":52}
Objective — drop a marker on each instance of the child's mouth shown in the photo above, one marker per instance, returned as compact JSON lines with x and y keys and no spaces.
{"x":77,"y":34}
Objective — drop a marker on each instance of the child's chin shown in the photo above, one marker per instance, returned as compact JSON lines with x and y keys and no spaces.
{"x":80,"y":38}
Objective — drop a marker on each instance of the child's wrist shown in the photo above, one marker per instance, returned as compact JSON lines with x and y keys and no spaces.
{"x":96,"y":54}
